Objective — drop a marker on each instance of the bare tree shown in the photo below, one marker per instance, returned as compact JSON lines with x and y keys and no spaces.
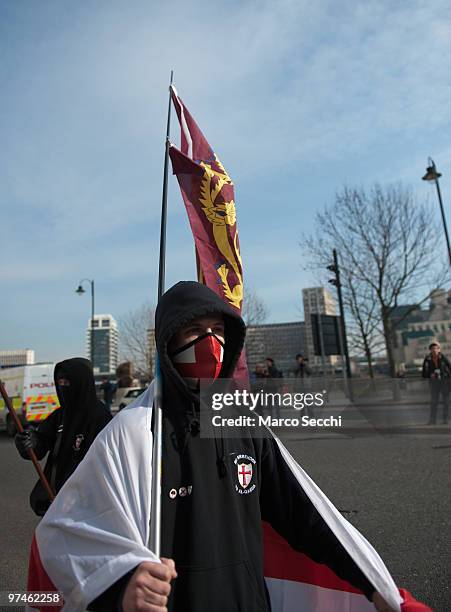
{"x":363,"y":324}
{"x":255,"y":311}
{"x":135,"y":345}
{"x":386,"y":244}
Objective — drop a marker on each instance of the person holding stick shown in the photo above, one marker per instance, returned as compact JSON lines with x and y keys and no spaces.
{"x":68,"y":432}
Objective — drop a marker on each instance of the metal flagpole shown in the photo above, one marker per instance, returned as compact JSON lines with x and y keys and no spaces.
{"x":155,"y":521}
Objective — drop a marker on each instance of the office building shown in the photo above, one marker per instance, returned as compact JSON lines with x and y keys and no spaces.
{"x":18,"y":357}
{"x":318,"y":300}
{"x":281,"y":341}
{"x":104,"y":335}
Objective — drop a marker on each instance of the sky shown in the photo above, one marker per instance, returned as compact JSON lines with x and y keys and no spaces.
{"x":297,"y":99}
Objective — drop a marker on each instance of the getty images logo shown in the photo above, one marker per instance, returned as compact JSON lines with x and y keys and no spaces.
{"x":262,"y":399}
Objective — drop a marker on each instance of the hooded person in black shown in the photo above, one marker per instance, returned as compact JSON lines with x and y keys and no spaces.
{"x":68,"y":432}
{"x":211,"y":524}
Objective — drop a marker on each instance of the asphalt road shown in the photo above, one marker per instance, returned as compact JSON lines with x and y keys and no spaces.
{"x":395,"y":489}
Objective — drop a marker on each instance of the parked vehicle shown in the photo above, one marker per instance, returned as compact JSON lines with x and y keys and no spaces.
{"x":31,"y":389}
{"x":130,"y":393}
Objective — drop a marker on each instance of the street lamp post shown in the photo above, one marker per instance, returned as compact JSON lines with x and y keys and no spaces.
{"x":335,"y":268}
{"x":433,"y":175}
{"x":81,"y":291}
{"x":342,"y":327}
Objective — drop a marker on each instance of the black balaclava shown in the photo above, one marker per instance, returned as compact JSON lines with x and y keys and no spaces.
{"x":81,"y":410}
{"x":79,"y":398}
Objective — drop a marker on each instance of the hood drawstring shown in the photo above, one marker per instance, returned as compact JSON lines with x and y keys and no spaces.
{"x":192,"y":424}
{"x":221,"y":464}
{"x":220,"y":457}
{"x":192,"y":428}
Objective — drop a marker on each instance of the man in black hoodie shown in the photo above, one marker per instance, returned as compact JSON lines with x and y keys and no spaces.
{"x":211,"y":522}
{"x":68,"y":432}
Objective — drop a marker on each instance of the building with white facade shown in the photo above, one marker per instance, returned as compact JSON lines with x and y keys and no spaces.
{"x":17,"y":357}
{"x":104,"y":335}
{"x":318,"y":300}
{"x":420,"y":327}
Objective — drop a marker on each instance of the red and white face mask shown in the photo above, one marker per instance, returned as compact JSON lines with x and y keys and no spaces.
{"x":200,"y":358}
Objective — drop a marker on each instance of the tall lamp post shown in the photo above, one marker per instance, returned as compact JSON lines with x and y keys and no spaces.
{"x":81,"y":291}
{"x":335,"y":268}
{"x":342,"y":327}
{"x":433,"y":175}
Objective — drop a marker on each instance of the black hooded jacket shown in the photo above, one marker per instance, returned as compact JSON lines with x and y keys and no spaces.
{"x":211,"y":530}
{"x":430,"y":370}
{"x":70,"y":430}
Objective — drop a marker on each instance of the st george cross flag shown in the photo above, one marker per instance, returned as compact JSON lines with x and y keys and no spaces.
{"x":208,"y":194}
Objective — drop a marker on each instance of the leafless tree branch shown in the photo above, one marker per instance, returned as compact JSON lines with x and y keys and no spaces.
{"x":386,"y":242}
{"x":255,"y":311}
{"x":134,"y":338}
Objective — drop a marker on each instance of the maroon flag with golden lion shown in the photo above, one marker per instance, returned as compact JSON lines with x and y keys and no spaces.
{"x":208,"y":194}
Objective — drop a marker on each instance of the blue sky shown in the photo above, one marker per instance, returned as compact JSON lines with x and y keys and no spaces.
{"x":297,"y":98}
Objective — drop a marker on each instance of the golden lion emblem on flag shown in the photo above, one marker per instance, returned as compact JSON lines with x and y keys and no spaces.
{"x":221,"y":213}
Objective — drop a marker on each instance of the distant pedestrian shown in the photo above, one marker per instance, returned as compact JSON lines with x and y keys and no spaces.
{"x":260,"y":371}
{"x":437,"y":369}
{"x":302,"y":370}
{"x":258,"y":384}
{"x":273,"y":385}
{"x":401,"y":375}
{"x":108,"y":392}
{"x":271,"y":368}
{"x":68,"y":432}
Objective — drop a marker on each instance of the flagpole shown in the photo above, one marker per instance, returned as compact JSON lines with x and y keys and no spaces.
{"x":155,"y":521}
{"x":164,"y":202}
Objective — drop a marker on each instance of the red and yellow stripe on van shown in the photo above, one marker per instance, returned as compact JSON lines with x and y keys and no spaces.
{"x":39,"y":407}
